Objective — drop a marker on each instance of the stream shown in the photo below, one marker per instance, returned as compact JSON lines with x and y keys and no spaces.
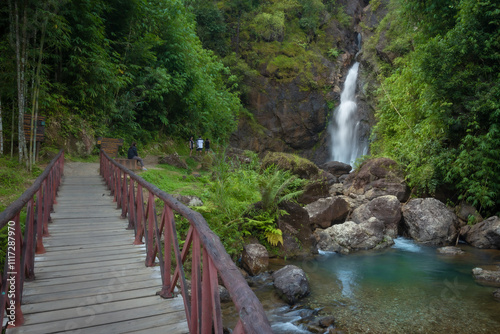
{"x":408,"y":288}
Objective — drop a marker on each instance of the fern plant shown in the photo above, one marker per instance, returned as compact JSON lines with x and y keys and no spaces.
{"x":275,"y":187}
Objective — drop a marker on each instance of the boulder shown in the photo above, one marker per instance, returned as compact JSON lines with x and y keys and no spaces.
{"x":387,"y":209}
{"x":466,"y":211}
{"x":355,"y":201}
{"x":485,"y":234}
{"x":291,"y":284}
{"x":450,"y":250}
{"x":315,"y":190}
{"x":173,"y":160}
{"x":496,"y":295}
{"x":326,"y":321}
{"x":188,"y":200}
{"x":298,"y":239}
{"x":255,"y":259}
{"x":486,"y":277}
{"x":327,"y":211}
{"x":336,"y":189}
{"x":336,"y":168}
{"x":388,"y":187}
{"x":350,"y":236}
{"x":378,"y":177}
{"x":299,"y":166}
{"x":429,"y":221}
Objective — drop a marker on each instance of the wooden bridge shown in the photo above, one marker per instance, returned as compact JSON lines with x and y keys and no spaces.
{"x":93,"y":273}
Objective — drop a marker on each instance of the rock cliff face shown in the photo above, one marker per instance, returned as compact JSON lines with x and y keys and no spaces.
{"x":289,"y":117}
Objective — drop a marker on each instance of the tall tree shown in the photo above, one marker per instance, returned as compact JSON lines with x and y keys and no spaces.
{"x":19,"y":30}
{"x":1,"y":127}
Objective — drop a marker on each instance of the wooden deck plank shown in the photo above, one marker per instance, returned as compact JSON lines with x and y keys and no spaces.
{"x":91,"y":300}
{"x":126,"y":243}
{"x":75,"y":254}
{"x":48,"y":273}
{"x":86,"y":324}
{"x":78,"y":311}
{"x":98,"y":291}
{"x":92,"y":279}
{"x":75,"y":278}
{"x":105,"y":282}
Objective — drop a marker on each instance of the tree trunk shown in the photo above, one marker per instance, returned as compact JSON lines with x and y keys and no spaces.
{"x":1,"y":128}
{"x":21,"y":66}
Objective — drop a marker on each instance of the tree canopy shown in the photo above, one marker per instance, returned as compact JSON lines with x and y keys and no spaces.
{"x":128,"y":68}
{"x":439,"y":106}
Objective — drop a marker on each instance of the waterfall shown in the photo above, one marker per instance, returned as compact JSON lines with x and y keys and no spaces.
{"x":345,"y":137}
{"x":346,"y":130}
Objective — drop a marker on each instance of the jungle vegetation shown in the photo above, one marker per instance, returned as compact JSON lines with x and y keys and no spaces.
{"x":144,"y":70}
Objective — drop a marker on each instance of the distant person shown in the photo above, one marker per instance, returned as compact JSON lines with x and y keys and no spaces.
{"x":191,"y":145}
{"x":132,"y":154}
{"x":207,"y":145}
{"x":199,"y":145}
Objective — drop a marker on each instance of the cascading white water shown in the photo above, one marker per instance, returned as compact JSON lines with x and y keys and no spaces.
{"x":345,"y":129}
{"x":346,"y":147}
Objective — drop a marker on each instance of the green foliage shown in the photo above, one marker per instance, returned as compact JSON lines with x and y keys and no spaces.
{"x":175,"y":180}
{"x":312,"y":13}
{"x":211,"y":27}
{"x":125,"y":68}
{"x":14,"y":180}
{"x":342,"y":17}
{"x":274,"y":188}
{"x":270,"y":27}
{"x":333,"y":53}
{"x":438,"y":111}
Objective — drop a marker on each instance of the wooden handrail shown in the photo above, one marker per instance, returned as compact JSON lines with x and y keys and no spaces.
{"x":209,"y":258}
{"x":20,"y":258}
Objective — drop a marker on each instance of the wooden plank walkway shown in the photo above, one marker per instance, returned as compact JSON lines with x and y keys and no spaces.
{"x":92,"y":279}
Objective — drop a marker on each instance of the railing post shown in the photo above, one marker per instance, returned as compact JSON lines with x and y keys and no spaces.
{"x":150,"y":243}
{"x":140,"y":216}
{"x":29,"y":234}
{"x":203,"y":310}
{"x":124,"y":197}
{"x":195,"y":285}
{"x":46,"y":208}
{"x":131,"y":207}
{"x":167,"y":220}
{"x":19,"y":264}
{"x":39,"y":249}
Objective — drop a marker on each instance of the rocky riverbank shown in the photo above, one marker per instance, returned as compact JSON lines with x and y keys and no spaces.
{"x":347,"y":212}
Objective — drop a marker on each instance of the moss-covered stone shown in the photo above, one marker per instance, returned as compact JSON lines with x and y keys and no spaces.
{"x":299,"y":166}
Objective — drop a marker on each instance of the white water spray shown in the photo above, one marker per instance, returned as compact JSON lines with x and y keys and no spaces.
{"x":345,"y":137}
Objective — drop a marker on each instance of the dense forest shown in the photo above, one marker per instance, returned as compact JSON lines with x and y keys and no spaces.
{"x":146,"y":70}
{"x":126,"y":68}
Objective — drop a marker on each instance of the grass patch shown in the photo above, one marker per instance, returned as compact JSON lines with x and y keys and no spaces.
{"x":14,"y":180}
{"x":175,"y":180}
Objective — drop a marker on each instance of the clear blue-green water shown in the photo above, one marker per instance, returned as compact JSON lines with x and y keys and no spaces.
{"x":408,"y":288}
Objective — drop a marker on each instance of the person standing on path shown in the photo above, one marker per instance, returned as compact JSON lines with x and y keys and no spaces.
{"x":207,"y":145}
{"x":199,"y":144}
{"x":132,"y":154}
{"x":191,"y":145}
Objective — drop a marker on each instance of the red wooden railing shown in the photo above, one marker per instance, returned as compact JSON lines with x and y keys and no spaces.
{"x":209,"y":259}
{"x":20,"y":258}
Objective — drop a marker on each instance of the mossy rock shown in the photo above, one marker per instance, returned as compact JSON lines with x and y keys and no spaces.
{"x":299,"y":166}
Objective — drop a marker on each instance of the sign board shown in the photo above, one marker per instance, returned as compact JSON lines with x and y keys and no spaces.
{"x":110,"y":145}
{"x":40,"y":128}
